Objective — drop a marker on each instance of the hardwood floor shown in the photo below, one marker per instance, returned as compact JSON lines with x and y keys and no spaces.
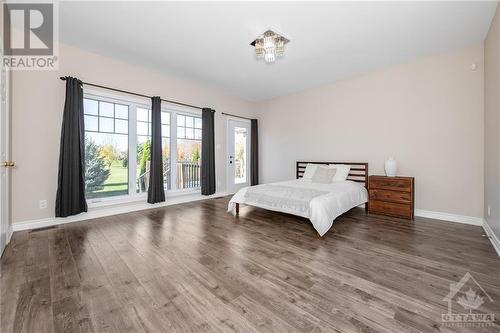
{"x":194,"y":267}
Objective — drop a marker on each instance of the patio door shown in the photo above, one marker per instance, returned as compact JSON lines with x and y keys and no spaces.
{"x":238,"y":158}
{"x":5,"y":163}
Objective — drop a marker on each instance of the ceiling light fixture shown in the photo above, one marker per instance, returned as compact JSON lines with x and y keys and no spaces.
{"x":269,"y":46}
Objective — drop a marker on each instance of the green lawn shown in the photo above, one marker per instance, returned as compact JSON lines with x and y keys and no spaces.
{"x":118,"y":175}
{"x":116,"y":184}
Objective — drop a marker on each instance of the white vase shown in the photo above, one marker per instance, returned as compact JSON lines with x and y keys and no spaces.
{"x":391,"y":167}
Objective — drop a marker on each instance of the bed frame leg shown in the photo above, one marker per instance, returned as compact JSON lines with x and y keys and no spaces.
{"x":237,"y":208}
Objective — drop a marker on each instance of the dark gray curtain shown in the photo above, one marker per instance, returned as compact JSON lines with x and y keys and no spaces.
{"x":254,"y":153}
{"x":208,"y":152}
{"x":70,"y":197}
{"x":156,"y":191}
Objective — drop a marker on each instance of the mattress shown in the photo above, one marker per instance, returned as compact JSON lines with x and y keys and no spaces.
{"x":320,"y":203}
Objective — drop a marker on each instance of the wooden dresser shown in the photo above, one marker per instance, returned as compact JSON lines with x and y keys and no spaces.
{"x":392,"y":196}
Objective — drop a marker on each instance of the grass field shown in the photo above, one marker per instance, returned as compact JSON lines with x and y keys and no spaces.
{"x":116,"y":184}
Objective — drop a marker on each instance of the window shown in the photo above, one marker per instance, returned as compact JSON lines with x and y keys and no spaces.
{"x":106,"y":148}
{"x":118,"y":148}
{"x":240,"y":152}
{"x":188,"y":151}
{"x":144,"y":148}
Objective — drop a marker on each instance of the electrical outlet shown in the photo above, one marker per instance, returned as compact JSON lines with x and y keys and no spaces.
{"x":42,"y":204}
{"x":489,"y":210}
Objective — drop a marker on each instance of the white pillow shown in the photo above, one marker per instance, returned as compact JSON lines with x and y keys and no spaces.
{"x":342,"y":172}
{"x":324,"y":175}
{"x":310,"y":170}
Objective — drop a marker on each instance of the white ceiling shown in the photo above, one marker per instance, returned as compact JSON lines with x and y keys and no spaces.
{"x":209,"y":41}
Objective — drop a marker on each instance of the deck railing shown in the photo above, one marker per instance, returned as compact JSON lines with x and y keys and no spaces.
{"x":188,"y":176}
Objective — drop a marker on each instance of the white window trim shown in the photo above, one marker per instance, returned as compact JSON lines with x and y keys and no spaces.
{"x":174,"y":111}
{"x":137,"y":197}
{"x":229,"y":176}
{"x":133,"y":102}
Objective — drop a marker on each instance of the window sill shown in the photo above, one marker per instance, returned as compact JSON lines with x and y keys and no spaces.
{"x":138,"y":198}
{"x":108,"y":209}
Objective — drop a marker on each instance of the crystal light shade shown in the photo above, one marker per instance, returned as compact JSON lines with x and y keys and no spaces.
{"x":269,"y":46}
{"x":259,"y":48}
{"x":269,"y":57}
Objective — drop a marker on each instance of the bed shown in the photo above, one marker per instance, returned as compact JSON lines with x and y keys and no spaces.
{"x":321,"y":203}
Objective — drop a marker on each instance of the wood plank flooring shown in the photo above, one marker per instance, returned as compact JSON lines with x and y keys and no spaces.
{"x":195,"y":268}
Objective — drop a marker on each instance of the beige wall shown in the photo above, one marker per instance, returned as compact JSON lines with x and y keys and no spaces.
{"x":492,"y":124}
{"x":428,"y":114}
{"x":38,"y":99}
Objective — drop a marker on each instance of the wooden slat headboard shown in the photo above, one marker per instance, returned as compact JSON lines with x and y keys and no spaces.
{"x":358,"y":172}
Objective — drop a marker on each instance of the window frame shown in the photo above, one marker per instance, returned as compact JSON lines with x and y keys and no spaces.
{"x":107,"y":99}
{"x":114,"y":117}
{"x":183,"y":111}
{"x":163,"y":110}
{"x":133,"y":103}
{"x":194,"y":128}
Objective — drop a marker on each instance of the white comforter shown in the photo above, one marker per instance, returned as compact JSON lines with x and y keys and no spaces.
{"x":321,"y":203}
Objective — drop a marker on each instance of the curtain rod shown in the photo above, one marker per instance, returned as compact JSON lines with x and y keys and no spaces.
{"x":136,"y":94}
{"x":233,"y":115}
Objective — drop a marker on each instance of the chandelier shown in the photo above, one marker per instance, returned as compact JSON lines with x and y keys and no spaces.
{"x":269,"y":46}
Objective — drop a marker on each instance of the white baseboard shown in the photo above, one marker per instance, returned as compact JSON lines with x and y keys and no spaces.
{"x":127,"y":208}
{"x":491,"y":235}
{"x":9,"y":235}
{"x":450,"y":217}
{"x":107,"y":211}
{"x":7,"y":240}
{"x":466,"y":220}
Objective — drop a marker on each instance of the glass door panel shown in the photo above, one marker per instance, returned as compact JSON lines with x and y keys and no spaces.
{"x":238,"y":163}
{"x":240,"y":155}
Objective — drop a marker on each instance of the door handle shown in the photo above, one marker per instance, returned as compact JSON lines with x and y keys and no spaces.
{"x":8,"y":164}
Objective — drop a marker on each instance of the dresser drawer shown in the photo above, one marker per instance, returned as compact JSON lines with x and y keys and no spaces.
{"x":391,"y":209}
{"x":392,"y":196}
{"x":392,"y":184}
